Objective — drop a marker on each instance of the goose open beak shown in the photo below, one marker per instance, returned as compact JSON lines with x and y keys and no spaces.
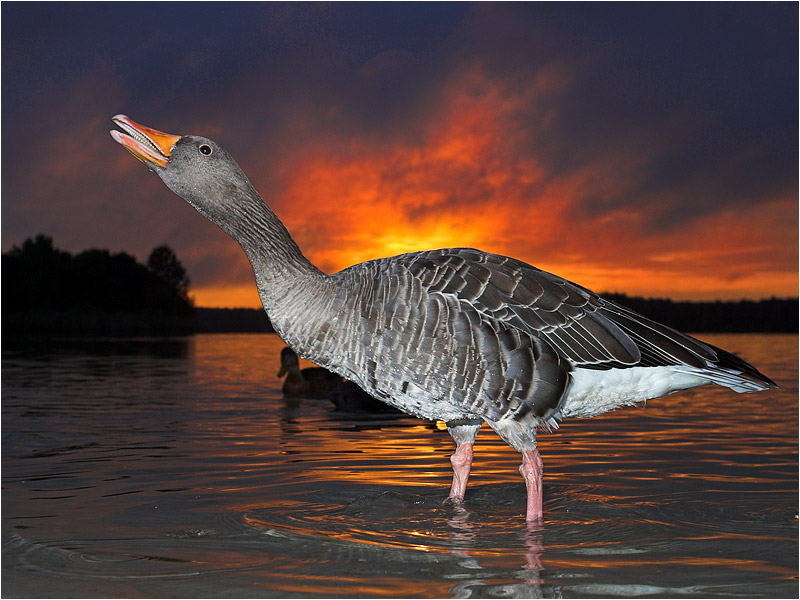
{"x":150,"y":146}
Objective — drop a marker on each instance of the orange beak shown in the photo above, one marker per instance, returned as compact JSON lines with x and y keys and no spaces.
{"x":150,"y":146}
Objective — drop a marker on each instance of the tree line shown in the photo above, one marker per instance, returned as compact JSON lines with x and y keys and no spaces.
{"x":47,"y":290}
{"x":772,"y":315}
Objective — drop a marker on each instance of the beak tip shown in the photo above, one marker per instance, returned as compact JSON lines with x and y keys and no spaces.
{"x":152,"y":147}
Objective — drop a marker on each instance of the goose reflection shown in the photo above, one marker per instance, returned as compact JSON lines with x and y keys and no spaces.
{"x":466,"y":546}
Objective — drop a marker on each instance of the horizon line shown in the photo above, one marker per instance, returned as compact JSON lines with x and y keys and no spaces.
{"x":602,"y":295}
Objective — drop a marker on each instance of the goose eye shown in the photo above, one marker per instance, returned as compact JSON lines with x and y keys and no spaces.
{"x":205,"y":149}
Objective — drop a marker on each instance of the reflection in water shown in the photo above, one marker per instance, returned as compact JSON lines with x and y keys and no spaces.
{"x":130,"y":465}
{"x":466,"y":545}
{"x":532,"y":538}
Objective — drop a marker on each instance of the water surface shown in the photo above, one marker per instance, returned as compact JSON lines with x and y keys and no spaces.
{"x":175,"y":468}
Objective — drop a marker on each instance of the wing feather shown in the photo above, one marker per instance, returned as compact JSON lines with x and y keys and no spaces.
{"x":495,"y":337}
{"x":582,"y":327}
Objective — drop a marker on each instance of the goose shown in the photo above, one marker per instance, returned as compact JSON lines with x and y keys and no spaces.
{"x":455,"y":334}
{"x":312,"y":382}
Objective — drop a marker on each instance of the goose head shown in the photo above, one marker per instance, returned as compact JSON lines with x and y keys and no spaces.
{"x":194,"y":167}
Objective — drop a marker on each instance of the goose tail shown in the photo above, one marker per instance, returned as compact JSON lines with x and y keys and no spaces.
{"x":733,"y":372}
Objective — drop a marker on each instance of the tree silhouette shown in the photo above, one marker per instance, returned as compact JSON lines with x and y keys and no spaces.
{"x":93,"y":290}
{"x":165,"y":264}
{"x":36,"y":275}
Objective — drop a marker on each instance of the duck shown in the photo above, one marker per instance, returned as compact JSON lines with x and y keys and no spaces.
{"x":316,"y":382}
{"x":457,"y":335}
{"x":347,"y":397}
{"x":311,"y":382}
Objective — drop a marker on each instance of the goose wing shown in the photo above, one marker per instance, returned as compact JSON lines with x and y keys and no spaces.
{"x":579,"y":325}
{"x":496,"y":337}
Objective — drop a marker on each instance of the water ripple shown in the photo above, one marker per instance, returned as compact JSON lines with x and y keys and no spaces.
{"x":136,"y":470}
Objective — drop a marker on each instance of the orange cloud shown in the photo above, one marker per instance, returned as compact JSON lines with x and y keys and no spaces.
{"x":464,"y":177}
{"x":729,"y":254}
{"x":453,"y":182}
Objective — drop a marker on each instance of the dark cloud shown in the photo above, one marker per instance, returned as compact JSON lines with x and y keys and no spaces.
{"x":704,"y":97}
{"x":642,"y":120}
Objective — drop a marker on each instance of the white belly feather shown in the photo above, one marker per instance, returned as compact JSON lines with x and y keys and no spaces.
{"x":592,"y":392}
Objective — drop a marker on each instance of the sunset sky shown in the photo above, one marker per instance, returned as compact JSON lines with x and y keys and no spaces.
{"x":649,"y":149}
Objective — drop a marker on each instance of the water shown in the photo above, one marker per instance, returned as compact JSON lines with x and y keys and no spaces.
{"x":175,"y":468}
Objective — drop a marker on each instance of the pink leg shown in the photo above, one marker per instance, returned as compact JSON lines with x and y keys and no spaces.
{"x":461,"y":461}
{"x":531,"y":470}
